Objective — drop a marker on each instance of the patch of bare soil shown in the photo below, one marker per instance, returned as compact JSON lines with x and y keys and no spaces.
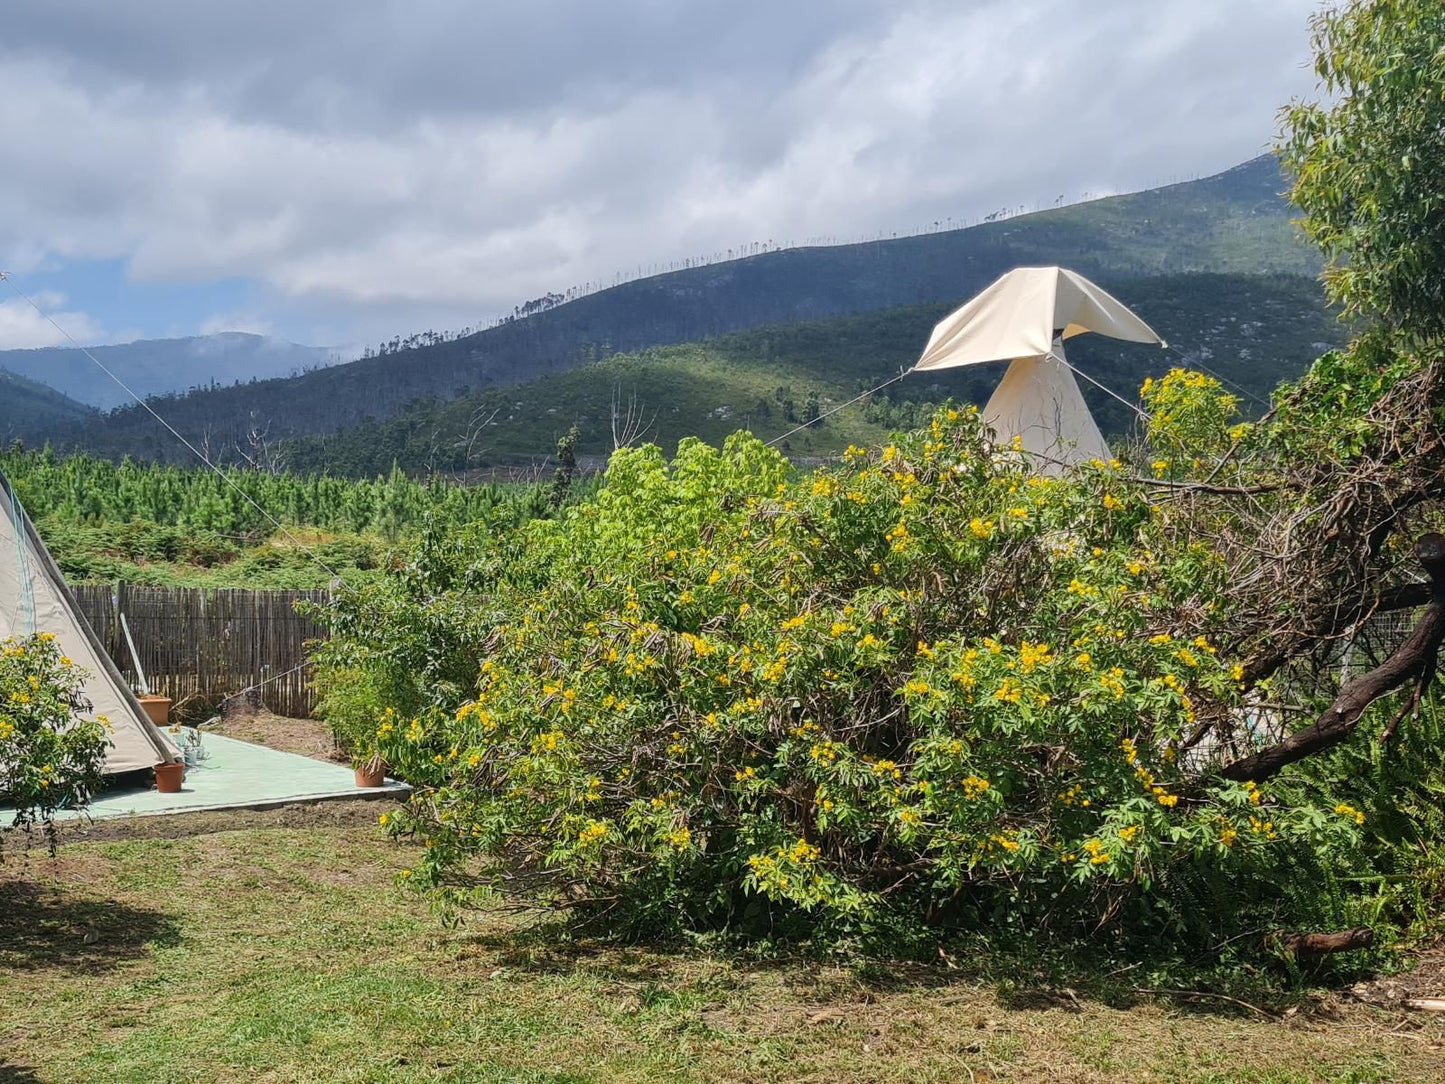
{"x":1425,"y":981}
{"x":335,"y":813}
{"x":308,"y":737}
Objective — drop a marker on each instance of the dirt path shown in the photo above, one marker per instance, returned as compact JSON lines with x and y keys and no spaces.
{"x":307,"y":737}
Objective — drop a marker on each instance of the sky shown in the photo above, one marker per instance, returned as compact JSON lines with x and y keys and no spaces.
{"x":336,"y":173}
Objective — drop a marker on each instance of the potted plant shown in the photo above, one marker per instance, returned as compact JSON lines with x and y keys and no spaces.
{"x":370,"y":770}
{"x":169,"y":776}
{"x":157,"y":707}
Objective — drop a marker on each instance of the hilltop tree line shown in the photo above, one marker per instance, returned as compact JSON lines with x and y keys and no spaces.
{"x":1236,"y":222}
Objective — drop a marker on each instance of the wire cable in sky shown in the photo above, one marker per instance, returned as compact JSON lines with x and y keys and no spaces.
{"x":9,"y":281}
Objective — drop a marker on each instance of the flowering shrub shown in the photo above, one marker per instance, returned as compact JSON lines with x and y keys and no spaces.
{"x":49,"y":757}
{"x":926,"y":681}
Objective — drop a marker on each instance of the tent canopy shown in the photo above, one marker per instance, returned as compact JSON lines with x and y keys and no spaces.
{"x":34,"y":598}
{"x":1020,"y":315}
{"x":1024,"y":318}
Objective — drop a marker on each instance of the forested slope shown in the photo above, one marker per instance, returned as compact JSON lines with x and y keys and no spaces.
{"x":26,"y":406}
{"x":1253,"y":330}
{"x":1233,"y":222}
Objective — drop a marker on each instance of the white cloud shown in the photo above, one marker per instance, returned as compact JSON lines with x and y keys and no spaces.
{"x":239,"y":320}
{"x":418,"y":163}
{"x":22,"y":328}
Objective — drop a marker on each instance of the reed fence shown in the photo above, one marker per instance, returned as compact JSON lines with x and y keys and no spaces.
{"x":199,"y":646}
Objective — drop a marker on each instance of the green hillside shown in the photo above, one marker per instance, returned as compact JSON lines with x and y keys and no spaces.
{"x":26,"y":405}
{"x":1253,"y":330}
{"x":1234,"y":222}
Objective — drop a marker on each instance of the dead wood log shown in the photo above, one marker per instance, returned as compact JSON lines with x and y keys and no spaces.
{"x":1309,"y":945}
{"x":1415,"y":659}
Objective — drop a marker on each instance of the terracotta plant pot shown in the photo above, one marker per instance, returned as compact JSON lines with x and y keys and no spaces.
{"x":371,"y":775}
{"x":169,"y":777}
{"x":157,"y":707}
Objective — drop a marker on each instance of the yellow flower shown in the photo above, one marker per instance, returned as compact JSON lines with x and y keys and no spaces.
{"x":1009,"y":691}
{"x":1033,"y":655}
{"x":1350,"y":811}
{"x":594,"y":831}
{"x":974,"y":787}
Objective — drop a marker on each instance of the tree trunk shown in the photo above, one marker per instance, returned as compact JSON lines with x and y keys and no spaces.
{"x":1416,"y":658}
{"x":1306,"y":945}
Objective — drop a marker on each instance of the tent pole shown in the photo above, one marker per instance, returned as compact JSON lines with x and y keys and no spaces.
{"x":134,"y":656}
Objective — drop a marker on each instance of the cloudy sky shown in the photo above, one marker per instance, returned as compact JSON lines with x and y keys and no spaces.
{"x":337,"y":172}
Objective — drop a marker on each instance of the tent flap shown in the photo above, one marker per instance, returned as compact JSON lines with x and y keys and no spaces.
{"x":34,"y":598}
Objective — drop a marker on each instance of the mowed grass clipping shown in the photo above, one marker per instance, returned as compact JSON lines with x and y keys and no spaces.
{"x":283,"y":954}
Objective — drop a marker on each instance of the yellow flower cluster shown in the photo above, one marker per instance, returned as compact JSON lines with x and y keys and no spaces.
{"x":825,"y":751}
{"x":1112,"y":682}
{"x":1095,"y":850}
{"x":1351,"y":812}
{"x":1034,"y":655}
{"x":593,"y":832}
{"x":974,"y":787}
{"x":1009,"y":691}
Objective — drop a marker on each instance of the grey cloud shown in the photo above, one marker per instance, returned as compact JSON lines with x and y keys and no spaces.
{"x":379,"y":167}
{"x":345,"y":66}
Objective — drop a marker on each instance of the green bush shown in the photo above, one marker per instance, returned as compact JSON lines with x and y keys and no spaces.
{"x":927,"y":685}
{"x":50,"y":757}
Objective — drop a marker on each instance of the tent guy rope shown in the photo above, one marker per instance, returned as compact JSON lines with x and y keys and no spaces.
{"x":844,"y":406}
{"x":1135,"y":407}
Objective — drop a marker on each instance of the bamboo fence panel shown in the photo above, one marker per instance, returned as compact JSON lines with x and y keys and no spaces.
{"x":207,"y":644}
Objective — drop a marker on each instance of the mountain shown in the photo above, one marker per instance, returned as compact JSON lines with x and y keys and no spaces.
{"x":1234,"y":222}
{"x":157,"y":366}
{"x":1252,"y":330}
{"x":26,"y":404}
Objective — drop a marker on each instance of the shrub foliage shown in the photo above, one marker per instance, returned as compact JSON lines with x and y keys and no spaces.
{"x":50,"y":755}
{"x":925,"y":683}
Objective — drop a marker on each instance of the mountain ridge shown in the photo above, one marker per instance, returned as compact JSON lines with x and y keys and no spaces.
{"x":159,"y":366}
{"x":1234,"y":221}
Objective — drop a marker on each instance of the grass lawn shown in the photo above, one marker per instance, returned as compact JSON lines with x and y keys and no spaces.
{"x":282,"y":951}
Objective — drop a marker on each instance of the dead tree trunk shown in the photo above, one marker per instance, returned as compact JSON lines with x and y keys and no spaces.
{"x":1309,"y":945}
{"x":1415,"y":659}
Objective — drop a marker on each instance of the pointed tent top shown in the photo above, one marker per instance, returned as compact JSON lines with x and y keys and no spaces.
{"x":1019,"y":315}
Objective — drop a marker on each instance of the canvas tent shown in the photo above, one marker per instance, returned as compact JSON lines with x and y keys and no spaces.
{"x":34,"y":598}
{"x":1024,"y":318}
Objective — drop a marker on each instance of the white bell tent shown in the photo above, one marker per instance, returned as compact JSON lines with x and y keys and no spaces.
{"x":34,"y":598}
{"x":1024,"y":318}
